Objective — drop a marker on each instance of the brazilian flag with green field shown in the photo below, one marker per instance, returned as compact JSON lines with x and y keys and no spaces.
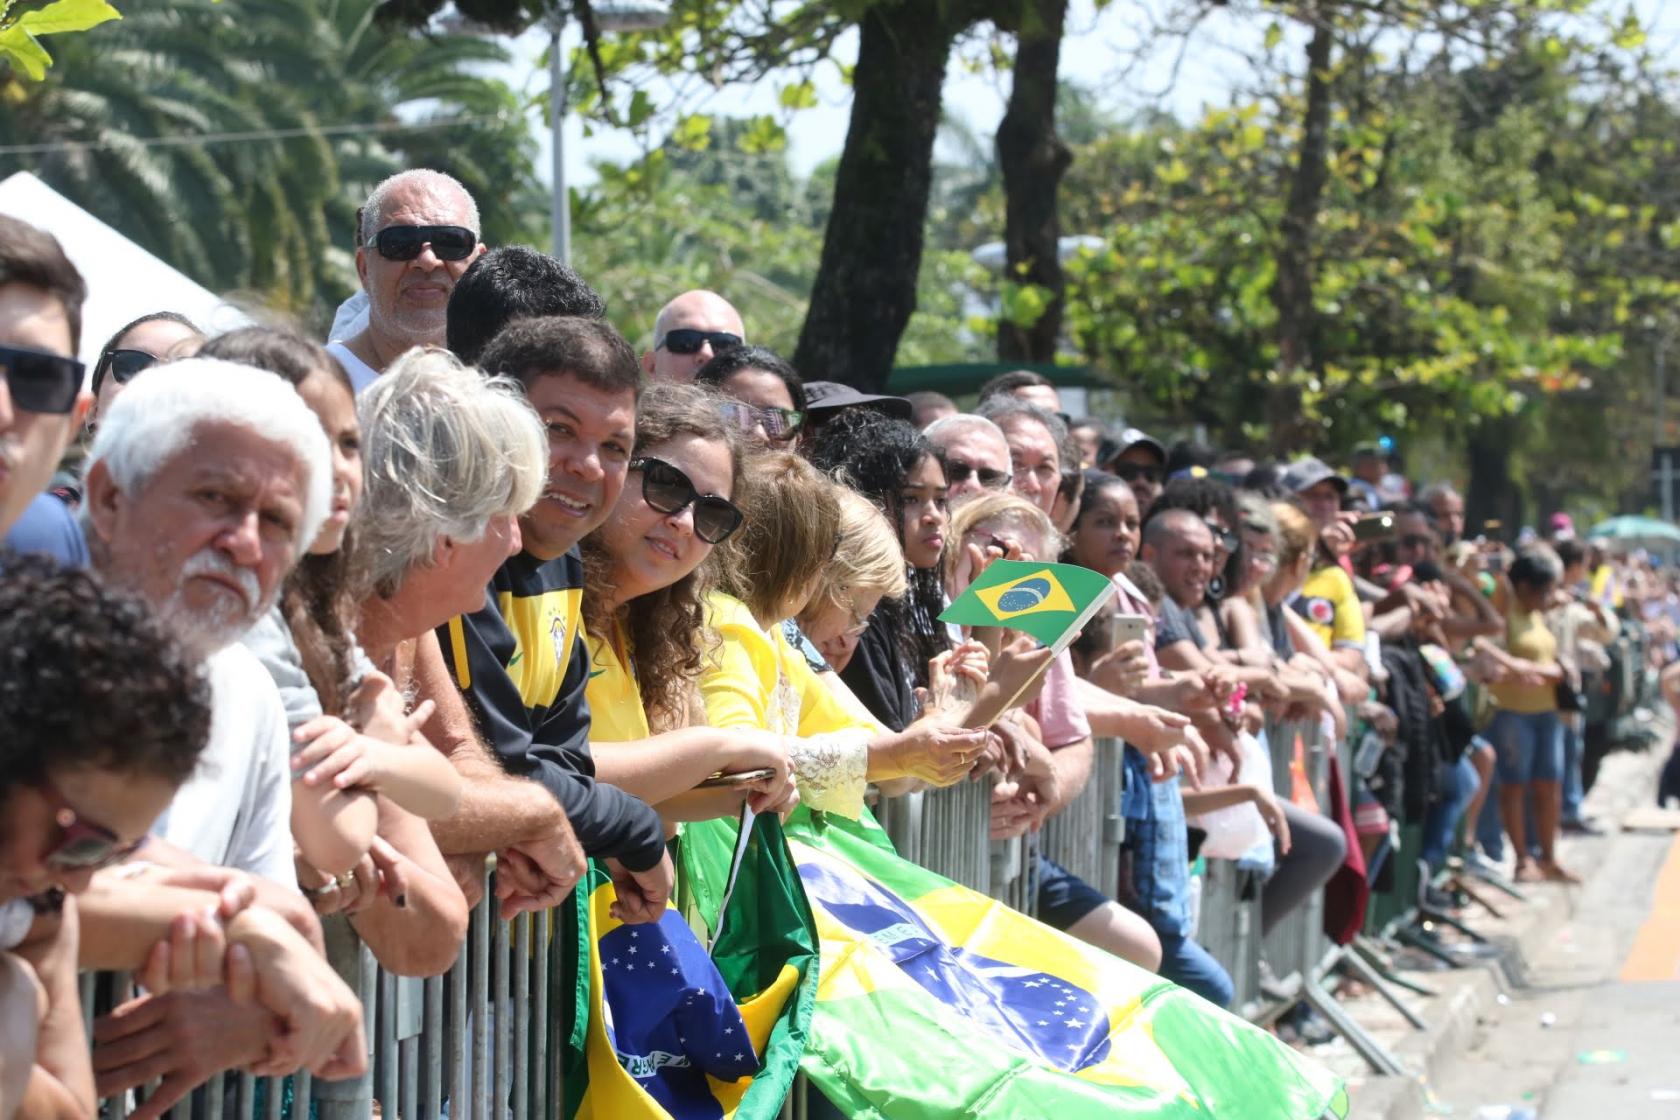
{"x":1049,"y":601}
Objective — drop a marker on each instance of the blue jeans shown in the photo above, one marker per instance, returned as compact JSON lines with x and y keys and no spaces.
{"x":1444,"y":815}
{"x":1573,"y":794}
{"x":1528,"y":746}
{"x":1193,"y":968}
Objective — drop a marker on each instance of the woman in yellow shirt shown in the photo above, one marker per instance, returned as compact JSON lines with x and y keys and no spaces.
{"x":1526,"y":732}
{"x":753,"y":677}
{"x":646,"y":578}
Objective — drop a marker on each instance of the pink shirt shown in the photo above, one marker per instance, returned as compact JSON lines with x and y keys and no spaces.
{"x":1061,"y":718}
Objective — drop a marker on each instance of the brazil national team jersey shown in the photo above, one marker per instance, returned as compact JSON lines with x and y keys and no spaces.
{"x":521,"y":663}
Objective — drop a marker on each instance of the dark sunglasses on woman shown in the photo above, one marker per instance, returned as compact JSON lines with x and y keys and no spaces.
{"x":686,"y":341}
{"x":121,"y":366}
{"x":668,"y":490}
{"x":404,"y":243}
{"x":779,"y":424}
{"x":40,"y":381}
{"x":82,"y":845}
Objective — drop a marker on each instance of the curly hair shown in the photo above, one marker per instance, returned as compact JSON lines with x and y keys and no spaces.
{"x":90,"y":678}
{"x":664,"y":630}
{"x":318,"y":599}
{"x":874,"y":455}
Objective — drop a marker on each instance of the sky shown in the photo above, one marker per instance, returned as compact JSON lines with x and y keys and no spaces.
{"x":1111,"y":52}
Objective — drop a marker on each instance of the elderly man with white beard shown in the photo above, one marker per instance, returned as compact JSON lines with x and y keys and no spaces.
{"x":206,"y":483}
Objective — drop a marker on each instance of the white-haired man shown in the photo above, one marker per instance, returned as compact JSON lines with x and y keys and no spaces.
{"x":689,"y":332}
{"x":419,"y":231}
{"x":206,"y":482}
{"x":975,"y":454}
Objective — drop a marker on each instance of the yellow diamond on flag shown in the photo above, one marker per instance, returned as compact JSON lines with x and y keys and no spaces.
{"x":1035,"y":593}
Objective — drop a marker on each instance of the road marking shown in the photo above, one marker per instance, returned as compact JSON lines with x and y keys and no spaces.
{"x":1656,"y":949}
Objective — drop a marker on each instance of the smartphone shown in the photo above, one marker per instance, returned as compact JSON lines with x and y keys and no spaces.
{"x":1130,"y":628}
{"x":1373,"y":527}
{"x":739,"y":778}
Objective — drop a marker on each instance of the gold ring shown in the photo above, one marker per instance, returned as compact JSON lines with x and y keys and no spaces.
{"x":346,"y":880}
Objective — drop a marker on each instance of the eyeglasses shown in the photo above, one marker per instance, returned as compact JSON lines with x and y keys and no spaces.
{"x":40,"y":381}
{"x":121,"y":366}
{"x":668,"y":490}
{"x":686,"y":341}
{"x":404,"y":243}
{"x":958,"y":472}
{"x":1223,"y":537}
{"x":779,"y":424}
{"x":1131,"y":472}
{"x":82,"y":845}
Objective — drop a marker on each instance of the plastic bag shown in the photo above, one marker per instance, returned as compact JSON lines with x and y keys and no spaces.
{"x":1238,"y":831}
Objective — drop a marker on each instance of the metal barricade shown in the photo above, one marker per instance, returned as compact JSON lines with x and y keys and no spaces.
{"x":948,"y":831}
{"x":1085,"y":837}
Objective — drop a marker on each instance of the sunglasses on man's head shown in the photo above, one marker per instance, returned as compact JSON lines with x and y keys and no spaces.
{"x":1131,"y":472}
{"x":779,"y":424}
{"x":121,"y":366}
{"x":40,"y":381}
{"x":82,"y":845}
{"x":685,"y":341}
{"x":958,"y":472}
{"x":404,"y":243}
{"x":668,"y":490}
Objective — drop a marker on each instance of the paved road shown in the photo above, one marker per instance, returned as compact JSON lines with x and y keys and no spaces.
{"x":1594,"y":1032}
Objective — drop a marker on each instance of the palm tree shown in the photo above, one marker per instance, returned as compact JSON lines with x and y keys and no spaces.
{"x":236,"y":139}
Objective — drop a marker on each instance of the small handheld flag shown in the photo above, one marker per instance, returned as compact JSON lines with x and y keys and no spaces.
{"x":1049,"y":601}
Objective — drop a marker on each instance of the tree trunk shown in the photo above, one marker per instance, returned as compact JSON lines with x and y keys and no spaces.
{"x":1492,"y":493}
{"x":865,"y":290}
{"x":1292,"y":292}
{"x":1033,"y":160}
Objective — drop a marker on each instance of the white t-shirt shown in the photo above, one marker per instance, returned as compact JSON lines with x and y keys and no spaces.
{"x":361,"y":374}
{"x":236,"y":809}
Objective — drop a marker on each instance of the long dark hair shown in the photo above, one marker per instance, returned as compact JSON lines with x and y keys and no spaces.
{"x":318,"y":600}
{"x":874,"y":455}
{"x":664,"y":630}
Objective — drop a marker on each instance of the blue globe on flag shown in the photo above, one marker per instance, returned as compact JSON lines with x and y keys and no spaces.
{"x":1025,"y":595}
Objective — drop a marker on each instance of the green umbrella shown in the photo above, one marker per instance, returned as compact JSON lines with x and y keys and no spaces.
{"x":1632,"y":528}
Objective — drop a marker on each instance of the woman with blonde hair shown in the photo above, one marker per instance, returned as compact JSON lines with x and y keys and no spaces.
{"x":867,"y":567}
{"x":767,"y":573}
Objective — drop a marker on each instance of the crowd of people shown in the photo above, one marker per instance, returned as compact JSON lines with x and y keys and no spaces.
{"x":296,"y":635}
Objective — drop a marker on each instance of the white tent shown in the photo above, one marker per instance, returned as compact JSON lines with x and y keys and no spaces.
{"x":124,"y":281}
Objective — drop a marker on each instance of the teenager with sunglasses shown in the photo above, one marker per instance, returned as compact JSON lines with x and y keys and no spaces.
{"x":766,"y":397}
{"x":417,"y":234}
{"x":42,"y":403}
{"x":136,"y":346}
{"x":690,"y":331}
{"x":644,"y":605}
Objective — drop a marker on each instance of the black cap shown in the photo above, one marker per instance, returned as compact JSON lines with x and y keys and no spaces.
{"x":831,"y":396}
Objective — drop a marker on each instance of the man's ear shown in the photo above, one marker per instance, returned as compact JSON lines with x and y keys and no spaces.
{"x":647,"y":364}
{"x":102,"y":500}
{"x":361,"y":266}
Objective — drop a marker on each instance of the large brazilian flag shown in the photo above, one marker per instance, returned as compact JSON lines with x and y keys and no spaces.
{"x":938,"y":1002}
{"x":674,"y":1031}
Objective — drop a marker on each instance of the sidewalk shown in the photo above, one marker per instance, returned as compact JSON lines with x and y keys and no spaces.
{"x":1480,"y":1044}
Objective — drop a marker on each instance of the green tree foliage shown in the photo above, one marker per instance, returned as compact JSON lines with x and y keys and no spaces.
{"x":1459,"y":272}
{"x":235,"y":139}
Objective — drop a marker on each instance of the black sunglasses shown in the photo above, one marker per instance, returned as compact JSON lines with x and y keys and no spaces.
{"x":958,"y":472}
{"x":1223,"y":537}
{"x":1131,"y":472}
{"x":668,"y":490}
{"x":685,"y":341}
{"x":40,"y":381}
{"x":404,"y":243}
{"x":121,"y":366}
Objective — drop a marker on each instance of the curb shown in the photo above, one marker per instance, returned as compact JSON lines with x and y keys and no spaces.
{"x":1457,"y":1014}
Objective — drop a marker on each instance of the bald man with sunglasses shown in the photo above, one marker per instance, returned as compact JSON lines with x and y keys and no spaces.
{"x":416,"y":234}
{"x":690,"y":331}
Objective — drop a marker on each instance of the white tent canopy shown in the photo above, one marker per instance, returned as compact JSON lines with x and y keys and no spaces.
{"x":124,"y":281}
